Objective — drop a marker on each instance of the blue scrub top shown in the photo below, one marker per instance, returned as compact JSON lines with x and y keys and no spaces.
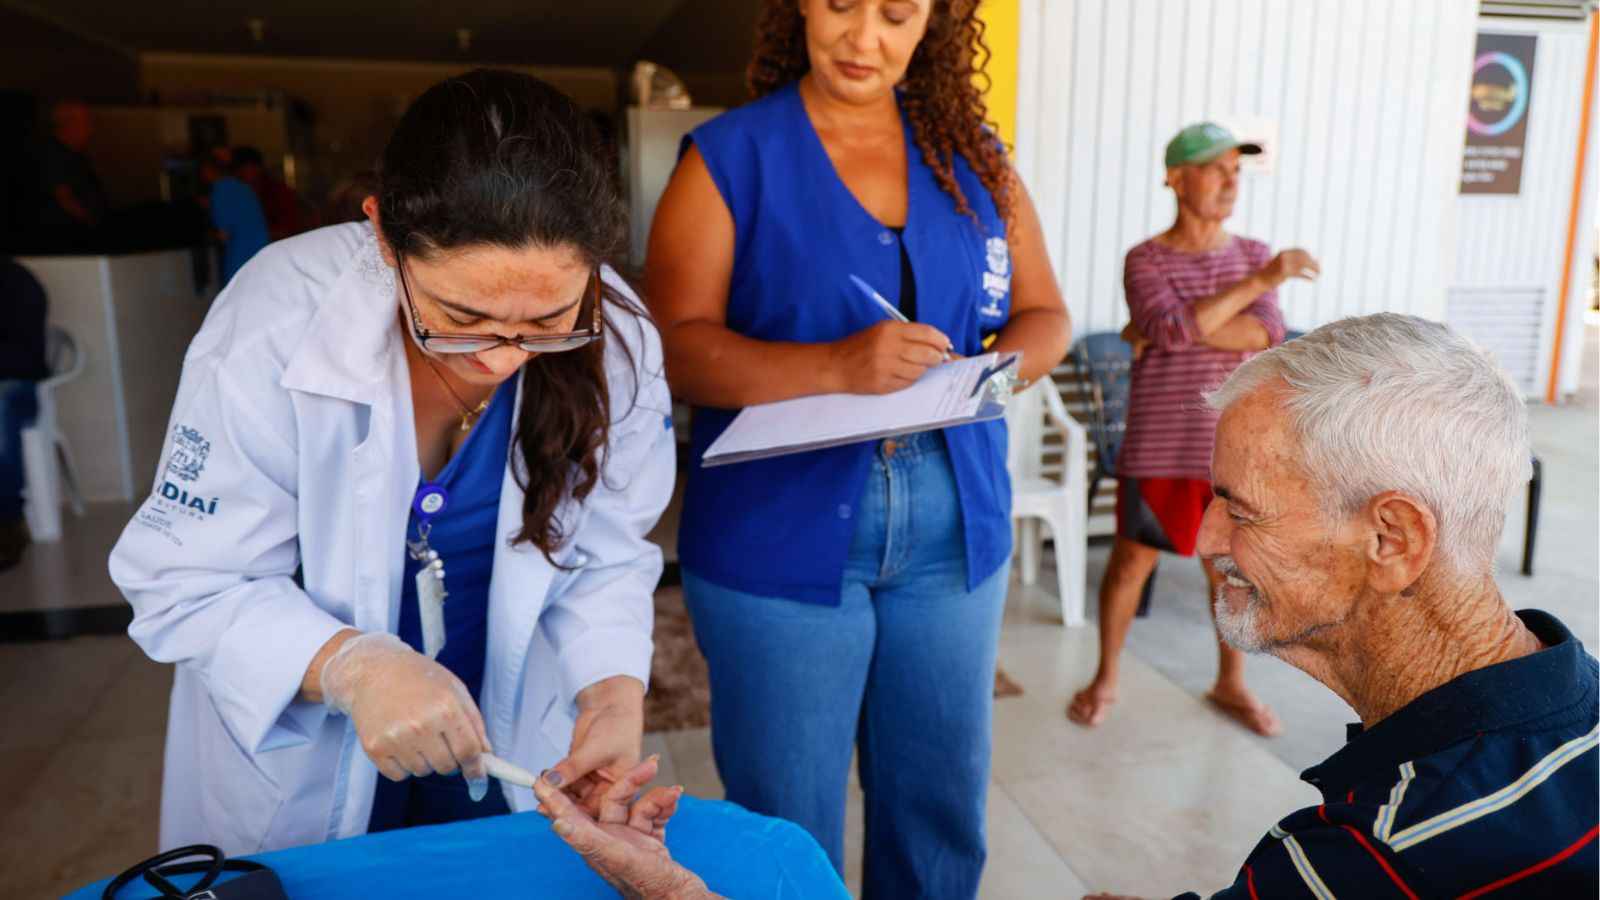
{"x":235,"y":210}
{"x":783,"y":526}
{"x":464,"y":534}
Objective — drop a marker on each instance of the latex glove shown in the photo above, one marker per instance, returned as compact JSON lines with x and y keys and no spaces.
{"x":414,"y":717}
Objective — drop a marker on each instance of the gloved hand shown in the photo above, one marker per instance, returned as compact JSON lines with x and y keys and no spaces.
{"x":414,"y":717}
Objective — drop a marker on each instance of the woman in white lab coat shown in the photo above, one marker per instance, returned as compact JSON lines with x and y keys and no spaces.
{"x":456,"y":398}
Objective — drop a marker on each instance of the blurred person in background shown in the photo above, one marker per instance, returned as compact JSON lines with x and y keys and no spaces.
{"x":71,"y":204}
{"x":279,"y":203}
{"x":1200,"y":301}
{"x":22,"y":365}
{"x":236,"y":216}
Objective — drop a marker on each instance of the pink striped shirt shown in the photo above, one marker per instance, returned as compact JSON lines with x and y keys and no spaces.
{"x":1170,"y":428}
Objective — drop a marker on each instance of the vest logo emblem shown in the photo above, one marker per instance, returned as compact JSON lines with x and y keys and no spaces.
{"x":997,"y":280}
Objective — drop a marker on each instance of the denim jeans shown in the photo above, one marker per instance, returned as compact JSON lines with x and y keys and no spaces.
{"x":902,"y":670}
{"x":19,"y":404}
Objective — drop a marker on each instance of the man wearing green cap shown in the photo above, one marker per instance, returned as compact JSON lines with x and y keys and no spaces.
{"x":1201,"y":301}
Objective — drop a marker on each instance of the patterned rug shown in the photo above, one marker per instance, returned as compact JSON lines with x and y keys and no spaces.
{"x":680,"y":689}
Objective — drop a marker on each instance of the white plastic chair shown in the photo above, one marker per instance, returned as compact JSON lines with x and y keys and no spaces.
{"x":46,"y":458}
{"x":1061,"y":502}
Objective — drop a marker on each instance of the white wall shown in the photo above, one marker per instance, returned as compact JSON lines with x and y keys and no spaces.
{"x":653,"y":139}
{"x":132,"y":317}
{"x":1510,"y":248}
{"x":1369,"y":97}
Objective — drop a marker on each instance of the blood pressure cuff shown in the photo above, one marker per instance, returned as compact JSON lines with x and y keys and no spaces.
{"x":256,"y":883}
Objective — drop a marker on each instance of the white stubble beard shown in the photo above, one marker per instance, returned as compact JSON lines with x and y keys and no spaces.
{"x":1241,"y":630}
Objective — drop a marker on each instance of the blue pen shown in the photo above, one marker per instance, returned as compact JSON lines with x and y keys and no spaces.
{"x":886,"y":306}
{"x":877,"y":298}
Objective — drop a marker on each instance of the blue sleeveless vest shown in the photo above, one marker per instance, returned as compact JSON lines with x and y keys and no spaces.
{"x":783,"y":527}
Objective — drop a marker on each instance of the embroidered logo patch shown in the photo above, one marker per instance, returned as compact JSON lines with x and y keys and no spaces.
{"x":171,"y":501}
{"x":189,"y":451}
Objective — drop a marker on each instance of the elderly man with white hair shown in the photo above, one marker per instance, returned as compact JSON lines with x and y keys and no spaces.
{"x":1361,"y":477}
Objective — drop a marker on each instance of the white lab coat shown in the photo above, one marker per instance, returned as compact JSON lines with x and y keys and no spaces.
{"x":278,"y":517}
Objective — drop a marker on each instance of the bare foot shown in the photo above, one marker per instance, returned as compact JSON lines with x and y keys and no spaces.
{"x":1242,"y":706}
{"x":1090,"y":706}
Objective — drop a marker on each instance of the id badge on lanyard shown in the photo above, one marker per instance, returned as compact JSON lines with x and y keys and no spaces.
{"x":431,"y":500}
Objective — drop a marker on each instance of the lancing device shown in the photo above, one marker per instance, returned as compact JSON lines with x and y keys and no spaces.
{"x":511,"y":773}
{"x":889,"y":308}
{"x":508,"y":772}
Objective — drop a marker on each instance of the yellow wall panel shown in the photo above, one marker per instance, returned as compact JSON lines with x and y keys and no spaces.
{"x":1002,"y":20}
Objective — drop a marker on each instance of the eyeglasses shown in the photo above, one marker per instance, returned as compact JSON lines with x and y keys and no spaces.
{"x":436,"y":342}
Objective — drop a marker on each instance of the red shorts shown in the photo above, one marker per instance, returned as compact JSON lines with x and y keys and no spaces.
{"x":1164,"y":513}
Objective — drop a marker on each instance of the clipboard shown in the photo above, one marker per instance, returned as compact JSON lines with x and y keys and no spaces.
{"x":959,"y":392}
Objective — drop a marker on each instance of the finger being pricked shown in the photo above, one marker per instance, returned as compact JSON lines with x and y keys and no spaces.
{"x":572,"y":823}
{"x":554,"y":802}
{"x":568,"y":820}
{"x":618,"y":797}
{"x":589,"y":791}
{"x":651,"y":812}
{"x":584,"y":793}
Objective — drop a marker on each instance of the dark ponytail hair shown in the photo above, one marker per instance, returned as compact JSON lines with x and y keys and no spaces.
{"x":500,"y":158}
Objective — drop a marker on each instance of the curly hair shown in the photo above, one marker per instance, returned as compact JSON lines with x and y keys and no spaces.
{"x":940,"y":93}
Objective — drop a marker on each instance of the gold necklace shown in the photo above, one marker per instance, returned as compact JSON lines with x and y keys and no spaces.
{"x":467,"y":413}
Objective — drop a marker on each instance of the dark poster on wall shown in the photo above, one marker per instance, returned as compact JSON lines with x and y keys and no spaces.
{"x":1497,"y":114}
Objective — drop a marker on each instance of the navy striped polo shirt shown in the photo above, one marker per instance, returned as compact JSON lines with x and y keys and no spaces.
{"x":1485,"y":786}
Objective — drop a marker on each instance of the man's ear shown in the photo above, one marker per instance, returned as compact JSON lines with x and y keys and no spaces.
{"x":1400,"y":545}
{"x":370,"y":207}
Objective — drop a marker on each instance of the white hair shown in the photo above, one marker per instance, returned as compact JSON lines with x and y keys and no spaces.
{"x":1396,"y":403}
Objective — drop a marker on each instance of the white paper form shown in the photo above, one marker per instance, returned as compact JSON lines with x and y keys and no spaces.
{"x":945,"y":395}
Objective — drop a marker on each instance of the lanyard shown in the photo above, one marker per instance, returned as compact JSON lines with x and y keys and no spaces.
{"x":430,"y":500}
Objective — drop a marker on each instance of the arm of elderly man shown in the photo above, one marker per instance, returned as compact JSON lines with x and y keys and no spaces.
{"x":1242,"y":317}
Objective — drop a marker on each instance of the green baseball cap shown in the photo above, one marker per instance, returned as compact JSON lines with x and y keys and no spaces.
{"x":1202,"y":142}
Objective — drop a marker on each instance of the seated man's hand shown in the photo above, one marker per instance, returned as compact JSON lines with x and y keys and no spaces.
{"x":625,"y":845}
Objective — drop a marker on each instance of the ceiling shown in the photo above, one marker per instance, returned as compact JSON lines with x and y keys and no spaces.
{"x":607,"y":33}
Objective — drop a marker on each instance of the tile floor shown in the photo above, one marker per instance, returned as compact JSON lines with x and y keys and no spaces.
{"x":1069,"y":810}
